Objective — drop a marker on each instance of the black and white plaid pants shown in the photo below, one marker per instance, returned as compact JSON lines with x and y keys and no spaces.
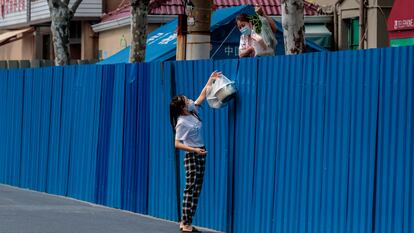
{"x":194,"y":165}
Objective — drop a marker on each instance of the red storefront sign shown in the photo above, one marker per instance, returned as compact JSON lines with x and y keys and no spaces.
{"x":401,"y":19}
{"x":11,"y":6}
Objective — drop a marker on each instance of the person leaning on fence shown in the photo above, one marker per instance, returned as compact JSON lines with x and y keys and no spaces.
{"x":251,"y":43}
{"x":186,"y":124}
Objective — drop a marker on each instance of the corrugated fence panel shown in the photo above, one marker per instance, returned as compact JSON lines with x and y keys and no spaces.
{"x":287,"y":183}
{"x":14,"y":120}
{"x":142,"y":153}
{"x":102,"y":159}
{"x":362,"y":144}
{"x":261,"y":216}
{"x":84,"y":137}
{"x":113,"y":195}
{"x":282,"y":106}
{"x":220,"y":124}
{"x":66,"y":127}
{"x":212,"y":208}
{"x":336,"y":144}
{"x":394,"y":210}
{"x":184,"y":78}
{"x":46,"y":108}
{"x":56,"y":179}
{"x":189,"y":78}
{"x":312,"y":143}
{"x":135,"y":160}
{"x":245,"y":140}
{"x":3,"y":124}
{"x":129,"y":177}
{"x":28,"y":141}
{"x":161,"y":196}
{"x":36,"y":123}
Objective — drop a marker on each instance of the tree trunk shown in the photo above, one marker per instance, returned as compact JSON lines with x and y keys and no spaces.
{"x":61,"y":15}
{"x":139,"y":25}
{"x":293,"y":26}
{"x":60,"y":32}
{"x":198,"y":38}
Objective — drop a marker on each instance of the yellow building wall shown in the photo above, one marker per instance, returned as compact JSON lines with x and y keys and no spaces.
{"x":22,"y":49}
{"x":89,"y":42}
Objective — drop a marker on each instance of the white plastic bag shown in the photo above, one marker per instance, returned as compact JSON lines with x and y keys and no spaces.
{"x":258,"y":48}
{"x":267,"y":33}
{"x":220,"y":92}
{"x":265,"y":36}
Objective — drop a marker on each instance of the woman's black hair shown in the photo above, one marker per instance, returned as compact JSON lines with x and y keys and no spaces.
{"x":177,"y":106}
{"x":243,"y":18}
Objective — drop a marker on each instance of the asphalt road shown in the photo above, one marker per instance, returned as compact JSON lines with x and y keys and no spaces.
{"x":25,"y":211}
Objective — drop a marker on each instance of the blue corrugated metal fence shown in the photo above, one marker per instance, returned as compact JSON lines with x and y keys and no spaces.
{"x":320,"y":142}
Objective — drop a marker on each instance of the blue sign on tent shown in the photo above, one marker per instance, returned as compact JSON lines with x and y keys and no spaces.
{"x":161,"y":43}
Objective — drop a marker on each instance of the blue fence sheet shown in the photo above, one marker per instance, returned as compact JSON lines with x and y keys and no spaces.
{"x":313,"y":143}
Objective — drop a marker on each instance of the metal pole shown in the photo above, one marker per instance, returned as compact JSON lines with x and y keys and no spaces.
{"x":181,"y":38}
{"x":362,"y":24}
{"x":198,"y":38}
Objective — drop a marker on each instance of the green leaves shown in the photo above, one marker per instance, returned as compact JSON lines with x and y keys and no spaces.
{"x":256,"y":22}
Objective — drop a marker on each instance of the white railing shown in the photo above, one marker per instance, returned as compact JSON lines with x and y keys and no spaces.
{"x":15,"y":12}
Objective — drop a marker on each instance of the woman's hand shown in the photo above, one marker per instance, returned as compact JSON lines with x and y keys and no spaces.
{"x":259,"y":40}
{"x":200,"y":151}
{"x":214,"y":76}
{"x":259,"y":10}
{"x":252,"y":51}
{"x":181,"y":146}
{"x":256,"y":38}
{"x":248,"y":52}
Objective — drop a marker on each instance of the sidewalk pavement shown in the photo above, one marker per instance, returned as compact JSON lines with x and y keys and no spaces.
{"x":25,"y":211}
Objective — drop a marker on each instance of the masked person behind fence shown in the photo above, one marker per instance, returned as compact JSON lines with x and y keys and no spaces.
{"x":252,"y":44}
{"x":186,"y":124}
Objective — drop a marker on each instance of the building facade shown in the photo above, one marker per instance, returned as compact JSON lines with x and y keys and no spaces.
{"x":114,"y":28}
{"x":28,"y":34}
{"x":401,"y":23}
{"x":347,"y":25}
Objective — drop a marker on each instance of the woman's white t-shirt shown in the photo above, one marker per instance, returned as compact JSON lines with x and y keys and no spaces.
{"x":247,"y":41}
{"x":188,"y":130}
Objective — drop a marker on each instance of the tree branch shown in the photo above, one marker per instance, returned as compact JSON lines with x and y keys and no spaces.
{"x":55,"y":3}
{"x":66,"y":2}
{"x":133,"y":3}
{"x":75,"y":6}
{"x":49,"y":3}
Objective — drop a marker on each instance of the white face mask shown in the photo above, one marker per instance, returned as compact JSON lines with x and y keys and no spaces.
{"x":246,"y":31}
{"x":190,"y":105}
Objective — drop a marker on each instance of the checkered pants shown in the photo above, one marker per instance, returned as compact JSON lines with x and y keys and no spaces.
{"x":194,"y":173}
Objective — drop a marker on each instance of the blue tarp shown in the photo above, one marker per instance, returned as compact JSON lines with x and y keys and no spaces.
{"x":161,"y":43}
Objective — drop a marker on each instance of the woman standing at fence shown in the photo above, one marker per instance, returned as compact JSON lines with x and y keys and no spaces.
{"x":186,"y":124}
{"x":252,"y":44}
